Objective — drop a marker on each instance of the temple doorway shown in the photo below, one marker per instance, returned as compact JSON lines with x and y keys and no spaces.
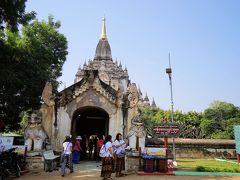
{"x":90,"y":120}
{"x":89,"y":123}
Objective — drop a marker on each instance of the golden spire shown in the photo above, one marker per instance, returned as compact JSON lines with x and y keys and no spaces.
{"x":104,"y":34}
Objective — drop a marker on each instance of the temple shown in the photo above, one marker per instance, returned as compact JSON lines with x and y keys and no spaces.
{"x":102,"y":100}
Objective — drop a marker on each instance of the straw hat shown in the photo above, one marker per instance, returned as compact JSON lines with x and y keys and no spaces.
{"x":79,"y":137}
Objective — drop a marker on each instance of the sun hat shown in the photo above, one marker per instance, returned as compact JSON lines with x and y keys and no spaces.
{"x":79,"y":137}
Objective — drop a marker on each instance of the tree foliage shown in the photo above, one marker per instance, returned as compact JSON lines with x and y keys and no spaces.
{"x":12,"y":13}
{"x":215,"y":122}
{"x":28,"y":60}
{"x":219,"y":119}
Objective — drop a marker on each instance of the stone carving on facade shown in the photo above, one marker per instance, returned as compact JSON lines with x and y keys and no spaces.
{"x":129,"y":98}
{"x":133,"y":96}
{"x":137,"y":133}
{"x":119,"y":101}
{"x":34,"y":134}
{"x":91,"y":79}
{"x":104,"y":77}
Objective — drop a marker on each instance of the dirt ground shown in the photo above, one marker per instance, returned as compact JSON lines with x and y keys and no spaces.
{"x":91,"y":171}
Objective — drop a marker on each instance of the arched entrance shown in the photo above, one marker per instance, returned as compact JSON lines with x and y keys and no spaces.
{"x":87,"y":121}
{"x":90,"y":120}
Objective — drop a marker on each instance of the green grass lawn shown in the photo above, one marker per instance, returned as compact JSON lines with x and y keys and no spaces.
{"x":210,"y":165}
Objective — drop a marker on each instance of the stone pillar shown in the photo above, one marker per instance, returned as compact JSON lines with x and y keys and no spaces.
{"x":112,"y":125}
{"x":47,"y":119}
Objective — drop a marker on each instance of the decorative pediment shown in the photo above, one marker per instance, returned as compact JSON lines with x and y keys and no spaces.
{"x":91,"y":80}
{"x":131,"y":97}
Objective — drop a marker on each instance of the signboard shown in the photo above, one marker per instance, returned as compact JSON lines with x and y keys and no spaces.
{"x":237,"y":138}
{"x":5,"y":143}
{"x":155,"y":151}
{"x":165,"y":130}
{"x":8,"y":142}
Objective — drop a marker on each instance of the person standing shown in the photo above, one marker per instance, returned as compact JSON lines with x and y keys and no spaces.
{"x":100,"y":142}
{"x":76,"y":150}
{"x":108,"y":160}
{"x":90,"y":148}
{"x":84,"y":147}
{"x":119,"y":153}
{"x":66,"y":155}
{"x":95,"y":155}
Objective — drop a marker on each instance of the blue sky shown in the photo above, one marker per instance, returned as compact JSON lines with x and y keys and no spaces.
{"x":203,"y":38}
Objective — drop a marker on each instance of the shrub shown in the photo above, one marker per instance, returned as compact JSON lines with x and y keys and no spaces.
{"x":200,"y":169}
{"x":209,"y":169}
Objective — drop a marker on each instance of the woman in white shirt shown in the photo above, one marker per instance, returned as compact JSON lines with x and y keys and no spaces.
{"x":108,"y":160}
{"x":119,"y":152}
{"x":66,"y":155}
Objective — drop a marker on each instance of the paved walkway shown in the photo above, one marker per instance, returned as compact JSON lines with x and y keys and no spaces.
{"x":90,"y":170}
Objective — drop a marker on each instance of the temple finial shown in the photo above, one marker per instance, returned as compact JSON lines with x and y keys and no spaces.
{"x":104,"y":34}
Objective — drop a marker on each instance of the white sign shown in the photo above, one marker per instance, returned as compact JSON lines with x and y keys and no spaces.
{"x":5,"y":143}
{"x":155,"y":151}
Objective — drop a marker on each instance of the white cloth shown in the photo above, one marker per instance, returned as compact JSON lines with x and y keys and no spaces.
{"x":118,"y":150}
{"x":67,"y":147}
{"x":107,"y":146}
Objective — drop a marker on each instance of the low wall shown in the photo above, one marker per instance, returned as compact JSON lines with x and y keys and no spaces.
{"x":198,"y":148}
{"x":132,"y":162}
{"x":188,"y":148}
{"x":34,"y":163}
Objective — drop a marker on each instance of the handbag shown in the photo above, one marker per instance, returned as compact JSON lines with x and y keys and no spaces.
{"x":103,"y":152}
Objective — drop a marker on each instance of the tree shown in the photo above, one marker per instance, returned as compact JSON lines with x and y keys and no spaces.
{"x":190,"y":124}
{"x":208,"y":127}
{"x":47,"y":47}
{"x":12,"y":13}
{"x":229,"y":126}
{"x":215,"y":122}
{"x":147,"y":116}
{"x":218,"y":118}
{"x":220,"y":110}
{"x":29,"y":60}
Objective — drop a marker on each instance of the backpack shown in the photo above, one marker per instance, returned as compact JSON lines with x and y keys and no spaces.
{"x":103,"y":151}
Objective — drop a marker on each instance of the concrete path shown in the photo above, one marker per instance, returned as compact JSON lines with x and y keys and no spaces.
{"x":90,"y":170}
